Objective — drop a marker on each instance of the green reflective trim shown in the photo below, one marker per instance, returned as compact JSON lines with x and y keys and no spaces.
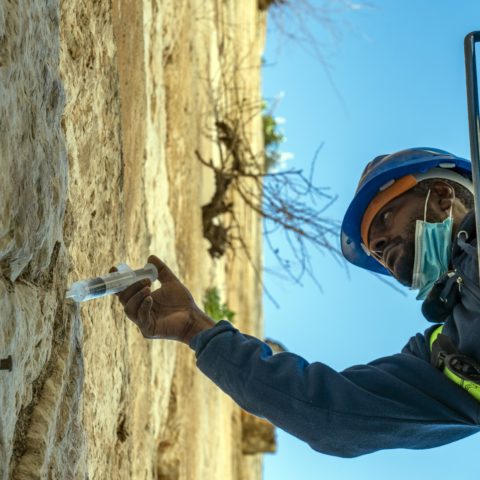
{"x":434,"y":335}
{"x":471,"y":387}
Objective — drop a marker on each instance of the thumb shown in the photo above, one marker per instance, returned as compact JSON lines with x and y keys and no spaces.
{"x":164,"y":273}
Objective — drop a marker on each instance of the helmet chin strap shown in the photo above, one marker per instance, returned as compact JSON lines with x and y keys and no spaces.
{"x":379,"y":259}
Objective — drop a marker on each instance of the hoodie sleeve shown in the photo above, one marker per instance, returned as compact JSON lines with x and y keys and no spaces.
{"x":398,"y":401}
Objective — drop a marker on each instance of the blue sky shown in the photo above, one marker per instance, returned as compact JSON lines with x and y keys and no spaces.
{"x":399,"y":69}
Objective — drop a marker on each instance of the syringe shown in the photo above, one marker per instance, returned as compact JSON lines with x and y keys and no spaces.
{"x":110,"y":283}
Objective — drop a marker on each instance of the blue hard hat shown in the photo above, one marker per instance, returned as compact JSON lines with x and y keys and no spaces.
{"x":379,"y":173}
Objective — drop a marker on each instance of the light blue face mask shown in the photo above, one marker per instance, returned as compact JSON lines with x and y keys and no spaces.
{"x":433,"y":242}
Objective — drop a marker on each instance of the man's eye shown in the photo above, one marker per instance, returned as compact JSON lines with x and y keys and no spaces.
{"x":385,"y":216}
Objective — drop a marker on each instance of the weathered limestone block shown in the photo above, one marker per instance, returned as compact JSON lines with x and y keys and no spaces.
{"x":34,"y":173}
{"x":52,"y":438}
{"x":102,"y":105}
{"x":118,"y":213}
{"x":47,"y":371}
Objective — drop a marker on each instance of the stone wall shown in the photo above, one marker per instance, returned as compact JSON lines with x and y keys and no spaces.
{"x":102,"y":106}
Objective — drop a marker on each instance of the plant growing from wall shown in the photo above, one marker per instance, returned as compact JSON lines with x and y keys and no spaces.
{"x":272,"y":139}
{"x":214,"y":308}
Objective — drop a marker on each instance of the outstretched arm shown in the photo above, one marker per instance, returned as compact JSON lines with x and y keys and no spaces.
{"x":394,"y":402}
{"x":399,"y":401}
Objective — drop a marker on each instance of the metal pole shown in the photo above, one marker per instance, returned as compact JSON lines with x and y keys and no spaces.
{"x":474,"y":123}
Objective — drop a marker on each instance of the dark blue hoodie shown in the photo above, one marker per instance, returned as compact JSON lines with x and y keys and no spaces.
{"x":399,"y":401}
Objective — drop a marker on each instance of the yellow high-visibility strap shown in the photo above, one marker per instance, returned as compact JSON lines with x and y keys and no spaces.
{"x":435,"y":334}
{"x":471,"y":387}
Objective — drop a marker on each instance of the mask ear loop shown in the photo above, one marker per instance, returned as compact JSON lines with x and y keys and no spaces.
{"x":425,"y":208}
{"x":426,"y":204}
{"x":451,"y":206}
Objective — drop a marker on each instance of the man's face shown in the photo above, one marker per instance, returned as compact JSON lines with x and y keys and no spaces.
{"x":392,"y":234}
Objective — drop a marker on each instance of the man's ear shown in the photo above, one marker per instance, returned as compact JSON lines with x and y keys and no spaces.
{"x":445,"y":194}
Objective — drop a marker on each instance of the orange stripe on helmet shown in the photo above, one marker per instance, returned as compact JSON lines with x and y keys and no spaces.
{"x":400,"y":186}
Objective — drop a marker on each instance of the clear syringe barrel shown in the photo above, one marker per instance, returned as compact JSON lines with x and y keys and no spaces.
{"x":110,"y":283}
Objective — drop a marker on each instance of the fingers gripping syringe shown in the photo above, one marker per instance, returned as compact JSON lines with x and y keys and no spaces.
{"x":115,"y":282}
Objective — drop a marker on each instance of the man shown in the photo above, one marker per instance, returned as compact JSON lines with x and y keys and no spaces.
{"x":411,"y":218}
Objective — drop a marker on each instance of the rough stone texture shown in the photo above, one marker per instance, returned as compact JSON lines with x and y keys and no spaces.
{"x":102,"y":105}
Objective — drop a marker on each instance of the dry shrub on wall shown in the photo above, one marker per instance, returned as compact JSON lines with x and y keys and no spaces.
{"x":282,"y":199}
{"x":286,"y":200}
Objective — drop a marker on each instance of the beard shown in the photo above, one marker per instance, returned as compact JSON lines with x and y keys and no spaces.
{"x":403,"y":268}
{"x":404,"y":265}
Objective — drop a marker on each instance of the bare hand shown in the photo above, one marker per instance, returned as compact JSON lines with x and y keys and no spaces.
{"x":169,"y":312}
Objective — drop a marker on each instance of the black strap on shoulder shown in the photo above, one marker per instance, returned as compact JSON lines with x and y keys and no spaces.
{"x":464,"y":367}
{"x":445,"y":355}
{"x":442,"y":346}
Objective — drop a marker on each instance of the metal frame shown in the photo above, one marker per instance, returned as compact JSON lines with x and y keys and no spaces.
{"x":474,"y":122}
